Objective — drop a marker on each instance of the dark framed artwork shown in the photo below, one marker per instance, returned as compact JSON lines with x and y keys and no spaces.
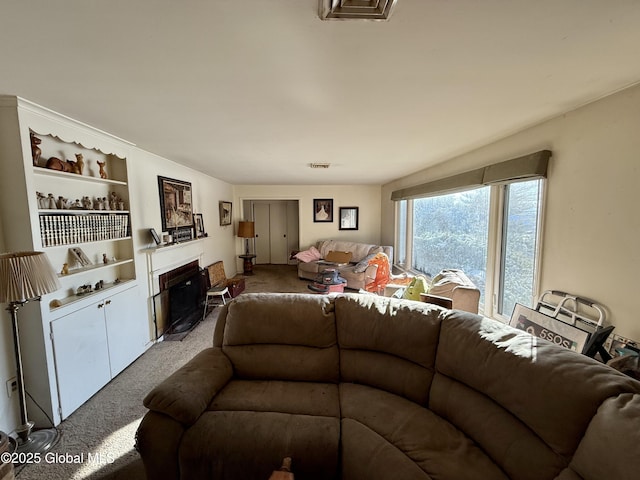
{"x":323,"y":209}
{"x":175,"y":203}
{"x":225,"y":212}
{"x":348,"y":218}
{"x":199,"y":225}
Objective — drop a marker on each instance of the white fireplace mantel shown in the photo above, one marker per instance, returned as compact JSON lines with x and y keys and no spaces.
{"x":163,"y":259}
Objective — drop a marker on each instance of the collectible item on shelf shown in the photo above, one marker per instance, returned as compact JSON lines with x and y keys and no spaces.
{"x":79,"y":163}
{"x":79,"y":256}
{"x":65,"y":269}
{"x":103,"y":172}
{"x":35,"y":150}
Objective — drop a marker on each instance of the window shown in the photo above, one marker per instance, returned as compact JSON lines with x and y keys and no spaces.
{"x":490,"y":232}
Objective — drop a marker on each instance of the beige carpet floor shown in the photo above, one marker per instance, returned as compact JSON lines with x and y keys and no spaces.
{"x":97,"y":440}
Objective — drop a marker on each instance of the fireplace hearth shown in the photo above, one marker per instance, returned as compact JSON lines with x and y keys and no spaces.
{"x":178,"y":306}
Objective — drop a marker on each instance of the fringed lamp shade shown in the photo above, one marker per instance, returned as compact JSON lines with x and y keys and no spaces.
{"x":25,"y":276}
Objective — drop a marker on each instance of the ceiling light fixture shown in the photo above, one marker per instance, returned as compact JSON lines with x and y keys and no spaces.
{"x":319,"y":165}
{"x":355,"y":9}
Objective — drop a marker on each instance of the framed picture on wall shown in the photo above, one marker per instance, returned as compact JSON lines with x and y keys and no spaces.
{"x":175,"y":203}
{"x":225,"y":212}
{"x":348,"y":218}
{"x":323,"y":209}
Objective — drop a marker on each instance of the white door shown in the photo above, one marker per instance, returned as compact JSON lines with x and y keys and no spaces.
{"x":278,"y":233}
{"x":261,"y":225}
{"x":81,"y":356}
{"x":127,"y":328}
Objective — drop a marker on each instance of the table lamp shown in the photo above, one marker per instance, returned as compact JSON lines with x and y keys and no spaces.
{"x":26,"y":276}
{"x":246,"y":230}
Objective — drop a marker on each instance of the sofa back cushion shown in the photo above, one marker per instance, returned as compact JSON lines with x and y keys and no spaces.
{"x":526,"y":402}
{"x":280,"y":337}
{"x":388,"y":343}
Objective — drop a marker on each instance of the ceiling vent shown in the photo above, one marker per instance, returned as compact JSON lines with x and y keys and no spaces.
{"x":319,"y":165}
{"x":355,"y":9}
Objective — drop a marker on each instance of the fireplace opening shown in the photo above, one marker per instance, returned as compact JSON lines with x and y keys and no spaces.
{"x":178,"y":306}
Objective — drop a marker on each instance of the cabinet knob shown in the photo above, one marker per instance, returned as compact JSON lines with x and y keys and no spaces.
{"x":108,"y":302}
{"x":100,"y":305}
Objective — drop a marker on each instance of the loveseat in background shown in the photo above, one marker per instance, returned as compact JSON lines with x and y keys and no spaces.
{"x":358,"y":273}
{"x":362,"y":387}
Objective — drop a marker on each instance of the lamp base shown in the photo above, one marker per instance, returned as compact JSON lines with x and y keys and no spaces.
{"x":39,"y":441}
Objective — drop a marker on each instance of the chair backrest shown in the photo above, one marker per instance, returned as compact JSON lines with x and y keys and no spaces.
{"x":216,"y":273}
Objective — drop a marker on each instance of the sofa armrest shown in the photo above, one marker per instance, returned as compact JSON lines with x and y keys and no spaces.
{"x":185,"y":394}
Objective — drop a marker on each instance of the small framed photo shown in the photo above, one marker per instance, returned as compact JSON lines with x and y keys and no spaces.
{"x":79,"y":256}
{"x":323,"y":210}
{"x":199,"y":225}
{"x":541,"y":326}
{"x":155,"y":236}
{"x":225,"y":212}
{"x":348,"y":218}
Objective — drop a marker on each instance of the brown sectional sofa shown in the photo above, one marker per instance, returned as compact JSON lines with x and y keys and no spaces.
{"x":361,"y":387}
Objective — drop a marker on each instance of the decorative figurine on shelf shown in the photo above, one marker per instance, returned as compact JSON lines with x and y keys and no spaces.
{"x":105,"y":260}
{"x":63,"y":203}
{"x":114,"y":201}
{"x":105,"y":203}
{"x":79,"y":163}
{"x":54,"y":163}
{"x":43,"y":201}
{"x":35,"y":149}
{"x":77,"y":205}
{"x":86,"y":203}
{"x":65,"y":269}
{"x":97,"y":204}
{"x":103,"y":173}
{"x":99,"y":285}
{"x":51,"y":202}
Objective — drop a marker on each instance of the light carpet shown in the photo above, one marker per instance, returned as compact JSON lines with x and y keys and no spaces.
{"x":97,"y":440}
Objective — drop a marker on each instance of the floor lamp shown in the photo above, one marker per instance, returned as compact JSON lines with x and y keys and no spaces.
{"x":26,"y":276}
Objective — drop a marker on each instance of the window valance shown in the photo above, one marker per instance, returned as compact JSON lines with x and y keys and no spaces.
{"x":526,"y":167}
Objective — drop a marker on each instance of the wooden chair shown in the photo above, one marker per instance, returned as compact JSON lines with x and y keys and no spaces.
{"x":218,"y":287}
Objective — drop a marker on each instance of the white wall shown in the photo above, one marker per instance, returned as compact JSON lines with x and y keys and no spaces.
{"x":365,"y":197}
{"x":592,"y":225}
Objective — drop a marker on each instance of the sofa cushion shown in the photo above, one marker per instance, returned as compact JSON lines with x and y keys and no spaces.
{"x":310,"y":255}
{"x":357,"y":249}
{"x":482,"y":353}
{"x":435,"y":445}
{"x":301,"y":398}
{"x":367,"y":455}
{"x":388,"y":343}
{"x":611,"y":433}
{"x":520,"y":453}
{"x":289,"y":337}
{"x":232,"y":445}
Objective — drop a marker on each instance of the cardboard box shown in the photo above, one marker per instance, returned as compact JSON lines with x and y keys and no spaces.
{"x":338,"y":257}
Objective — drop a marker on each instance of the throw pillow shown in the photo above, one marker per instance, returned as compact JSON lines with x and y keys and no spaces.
{"x":362,"y":265}
{"x":310,"y":255}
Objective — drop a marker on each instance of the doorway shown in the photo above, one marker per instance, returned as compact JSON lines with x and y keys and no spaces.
{"x":276,"y":229}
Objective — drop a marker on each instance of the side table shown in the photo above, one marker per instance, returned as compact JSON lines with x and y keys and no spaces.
{"x":248,"y":263}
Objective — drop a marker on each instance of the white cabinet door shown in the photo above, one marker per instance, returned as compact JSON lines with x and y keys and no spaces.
{"x":81,"y":356}
{"x":127,"y":328}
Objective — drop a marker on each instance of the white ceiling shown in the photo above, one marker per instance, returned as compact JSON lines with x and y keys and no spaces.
{"x":252,"y":91}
